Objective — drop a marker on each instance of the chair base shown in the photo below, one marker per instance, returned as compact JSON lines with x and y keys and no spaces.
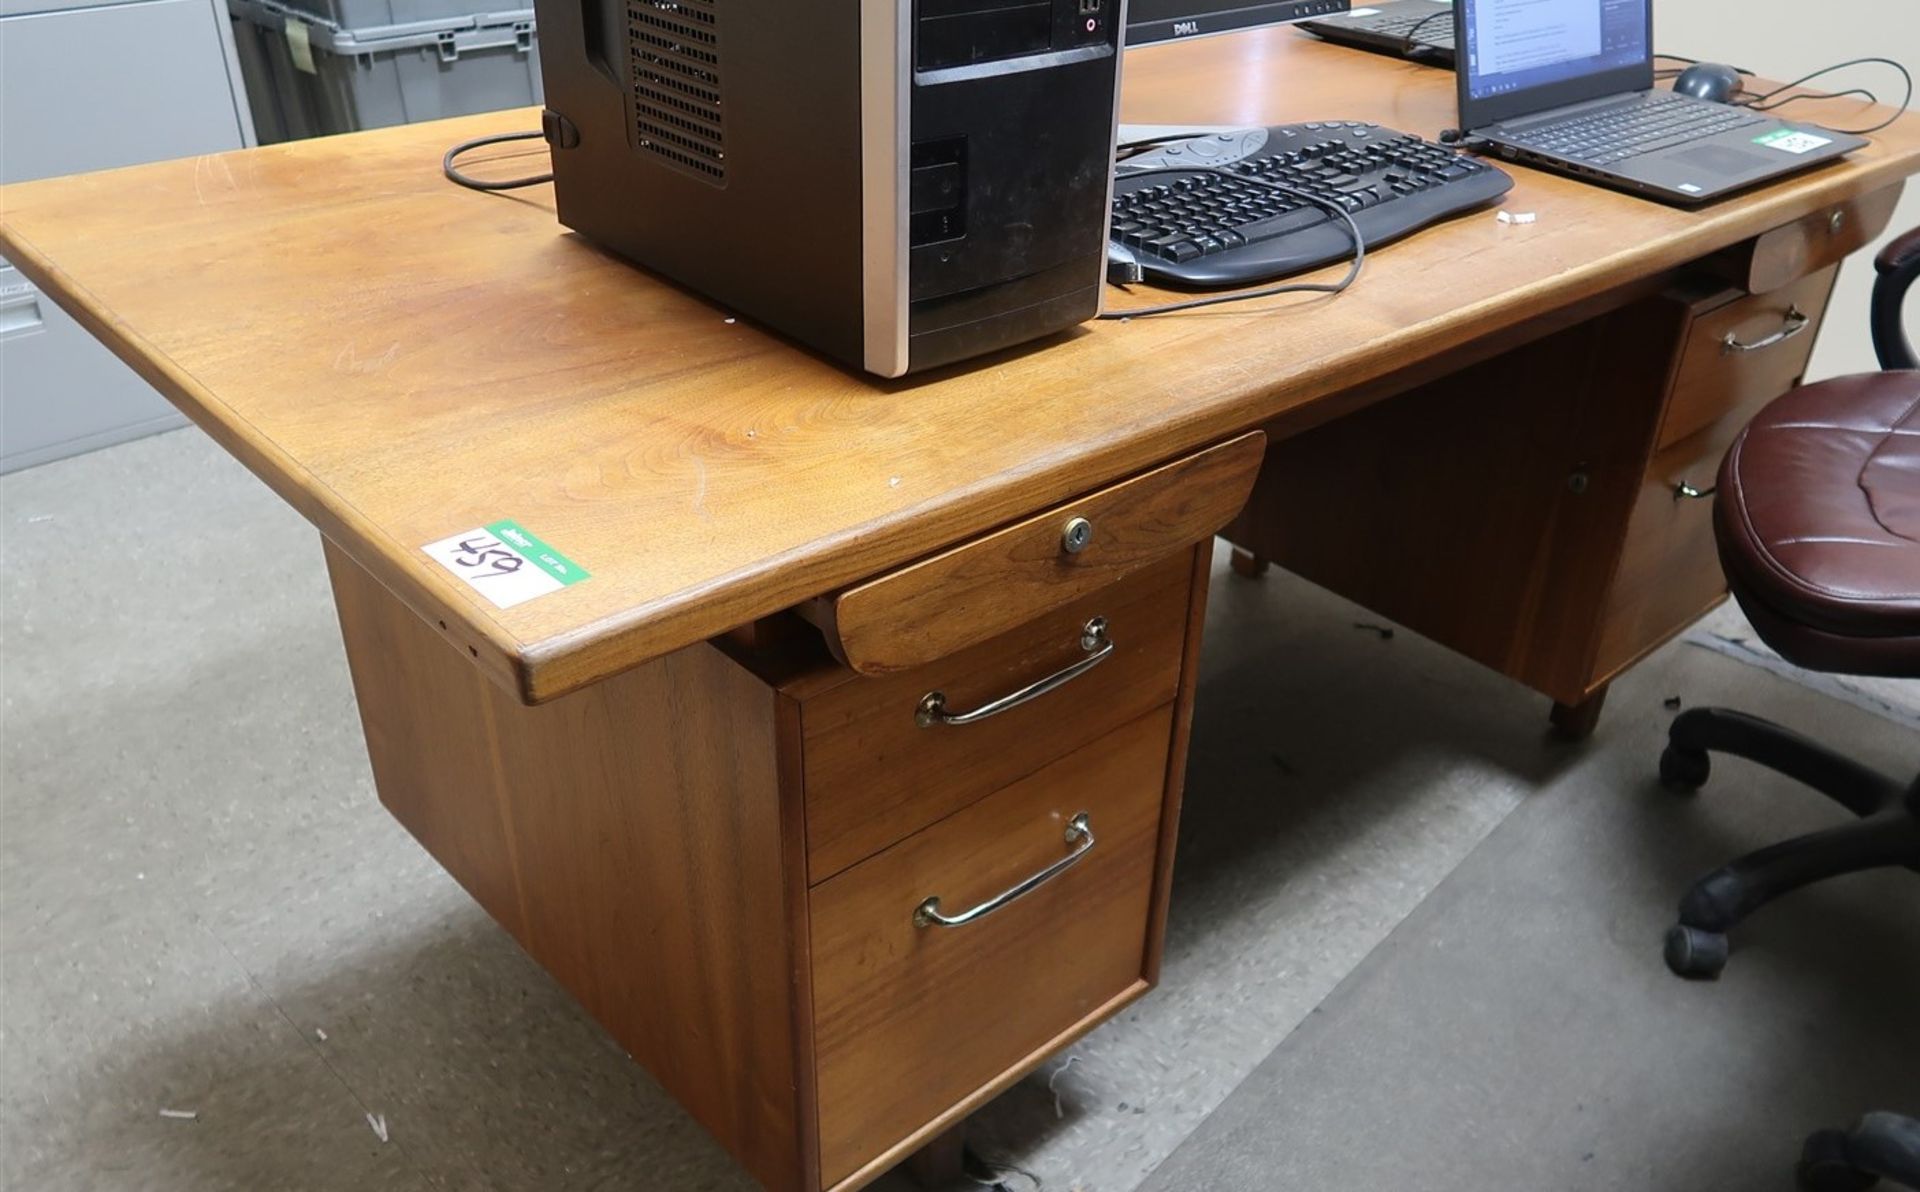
{"x":1887,"y":834}
{"x":1882,"y":1146}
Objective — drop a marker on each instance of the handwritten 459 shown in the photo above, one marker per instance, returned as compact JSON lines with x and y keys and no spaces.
{"x":487,"y":557}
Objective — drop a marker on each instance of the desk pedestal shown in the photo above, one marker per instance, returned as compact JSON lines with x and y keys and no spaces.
{"x":725,"y":854}
{"x":1546,"y":512}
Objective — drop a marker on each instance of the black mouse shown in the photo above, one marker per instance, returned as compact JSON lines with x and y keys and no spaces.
{"x":1710,"y":81}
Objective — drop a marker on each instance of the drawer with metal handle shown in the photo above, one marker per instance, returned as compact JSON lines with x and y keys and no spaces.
{"x":885,"y":757}
{"x":1743,"y":347}
{"x":954,"y":962}
{"x":996,"y":582}
{"x":1669,"y":567}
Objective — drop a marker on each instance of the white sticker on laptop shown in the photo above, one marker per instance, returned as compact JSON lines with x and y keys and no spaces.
{"x":1791,"y":140}
{"x":1362,"y":12}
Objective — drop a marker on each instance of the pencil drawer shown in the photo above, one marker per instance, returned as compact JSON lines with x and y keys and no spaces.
{"x":994,"y":583}
{"x":1742,"y":348}
{"x":885,"y":757}
{"x":955,"y":961}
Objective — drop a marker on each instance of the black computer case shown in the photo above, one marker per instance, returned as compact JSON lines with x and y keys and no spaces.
{"x":899,"y":183}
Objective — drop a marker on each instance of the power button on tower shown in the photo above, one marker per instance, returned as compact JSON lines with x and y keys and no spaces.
{"x":935,"y":187}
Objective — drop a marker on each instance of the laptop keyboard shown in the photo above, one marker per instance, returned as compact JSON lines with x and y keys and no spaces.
{"x":1653,"y":122}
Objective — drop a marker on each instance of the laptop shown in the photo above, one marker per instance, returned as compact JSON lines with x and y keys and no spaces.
{"x":1567,"y":85}
{"x":1417,"y":30}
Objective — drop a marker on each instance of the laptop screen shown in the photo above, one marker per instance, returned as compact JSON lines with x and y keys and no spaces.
{"x":1550,"y":47}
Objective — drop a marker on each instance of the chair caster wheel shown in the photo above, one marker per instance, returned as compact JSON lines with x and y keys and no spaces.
{"x":1695,"y":954}
{"x":1684,"y":770}
{"x":1823,"y":1165}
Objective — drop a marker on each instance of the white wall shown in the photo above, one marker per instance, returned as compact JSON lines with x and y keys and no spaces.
{"x":1784,"y":39}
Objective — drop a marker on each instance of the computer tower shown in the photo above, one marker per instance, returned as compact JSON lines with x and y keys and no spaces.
{"x":898,"y":183}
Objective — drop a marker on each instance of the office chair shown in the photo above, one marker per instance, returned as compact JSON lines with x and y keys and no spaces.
{"x":1817,"y":518}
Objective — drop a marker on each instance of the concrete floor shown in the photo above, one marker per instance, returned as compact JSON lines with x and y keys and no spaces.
{"x":203,"y":909}
{"x":1520,"y":1029}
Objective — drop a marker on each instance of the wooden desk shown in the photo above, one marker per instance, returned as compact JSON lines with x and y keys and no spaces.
{"x":716,"y":825}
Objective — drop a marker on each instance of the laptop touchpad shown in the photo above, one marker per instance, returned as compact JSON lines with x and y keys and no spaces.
{"x":1722,"y":160}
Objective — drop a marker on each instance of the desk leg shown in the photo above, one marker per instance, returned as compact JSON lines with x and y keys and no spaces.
{"x":940,"y":1163}
{"x":1576,"y":722}
{"x":1248,"y":565}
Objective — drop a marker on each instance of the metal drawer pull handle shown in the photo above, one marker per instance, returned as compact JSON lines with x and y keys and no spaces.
{"x":1683,"y":489}
{"x":1079,"y":835}
{"x":1093,"y":639}
{"x":1794,"y":324}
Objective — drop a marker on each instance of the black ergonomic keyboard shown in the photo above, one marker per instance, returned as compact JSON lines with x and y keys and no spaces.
{"x":1211,"y":230}
{"x":1657,"y":120}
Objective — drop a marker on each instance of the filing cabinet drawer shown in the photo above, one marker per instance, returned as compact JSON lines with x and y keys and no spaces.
{"x":1669,"y":571}
{"x":1744,"y":348}
{"x":994,"y":583}
{"x":879,"y":766}
{"x":910,"y":1020}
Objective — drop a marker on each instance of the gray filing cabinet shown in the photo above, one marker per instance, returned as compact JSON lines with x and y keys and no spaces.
{"x":90,"y":86}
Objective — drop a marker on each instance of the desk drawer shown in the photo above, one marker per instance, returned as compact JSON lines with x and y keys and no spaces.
{"x":911,"y":1021}
{"x":1744,"y":349}
{"x":1808,"y":244}
{"x":1669,"y":571}
{"x":992,"y":584}
{"x":874,"y":773}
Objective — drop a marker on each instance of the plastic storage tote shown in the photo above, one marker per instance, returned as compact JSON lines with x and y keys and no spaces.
{"x":307,"y":77}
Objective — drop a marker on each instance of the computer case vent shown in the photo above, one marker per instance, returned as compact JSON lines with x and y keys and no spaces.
{"x":673,"y":51}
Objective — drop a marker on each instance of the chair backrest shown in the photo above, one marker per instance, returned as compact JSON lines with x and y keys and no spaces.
{"x":1898,"y":265}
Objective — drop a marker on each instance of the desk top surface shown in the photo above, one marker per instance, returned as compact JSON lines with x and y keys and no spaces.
{"x":404,"y":360}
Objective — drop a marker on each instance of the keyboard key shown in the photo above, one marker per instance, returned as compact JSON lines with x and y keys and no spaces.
{"x":1280,"y":225}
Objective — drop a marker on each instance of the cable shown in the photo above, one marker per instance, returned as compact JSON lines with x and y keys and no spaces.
{"x":1684,"y":60}
{"x":1409,"y":47}
{"x":1145,"y":143}
{"x":471,"y":183}
{"x":1335,"y":287}
{"x":1862,"y":92}
{"x":1767,"y":102}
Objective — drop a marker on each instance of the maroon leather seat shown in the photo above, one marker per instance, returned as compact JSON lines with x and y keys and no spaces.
{"x":1818,"y":515}
{"x":1818,"y":520}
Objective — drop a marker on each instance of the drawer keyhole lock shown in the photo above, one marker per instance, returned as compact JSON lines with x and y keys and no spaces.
{"x":1076,"y":535}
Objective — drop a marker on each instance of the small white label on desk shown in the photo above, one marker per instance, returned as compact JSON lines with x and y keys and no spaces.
{"x":505,"y":563}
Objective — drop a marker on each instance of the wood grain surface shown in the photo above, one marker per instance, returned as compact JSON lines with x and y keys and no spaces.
{"x":403,"y":360}
{"x":1808,"y":244}
{"x":1484,"y":510}
{"x":1669,"y":571}
{"x":1711,"y":379}
{"x":873,"y":775}
{"x":912,"y":1020}
{"x":641,"y":840}
{"x":984,"y":587}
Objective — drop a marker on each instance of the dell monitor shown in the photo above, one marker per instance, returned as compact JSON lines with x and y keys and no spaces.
{"x":1165,"y":20}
